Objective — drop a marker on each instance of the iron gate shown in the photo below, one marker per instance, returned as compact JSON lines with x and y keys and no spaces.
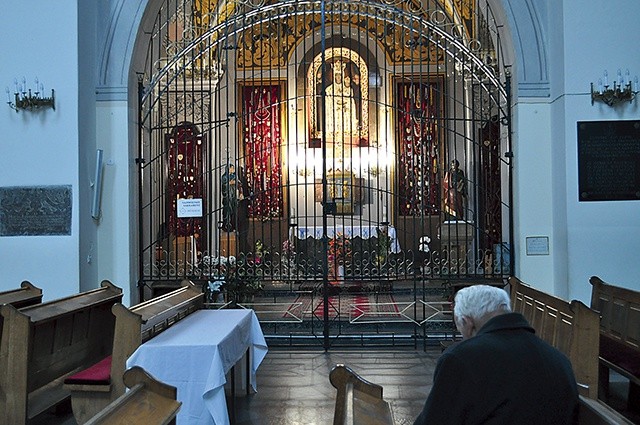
{"x":337,"y":166}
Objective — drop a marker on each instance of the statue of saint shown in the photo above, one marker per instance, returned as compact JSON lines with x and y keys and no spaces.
{"x":229,"y":191}
{"x":341,"y":106}
{"x":455,"y":191}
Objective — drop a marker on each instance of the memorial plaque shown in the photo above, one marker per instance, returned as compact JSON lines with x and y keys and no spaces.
{"x":608,"y":160}
{"x":35,"y":211}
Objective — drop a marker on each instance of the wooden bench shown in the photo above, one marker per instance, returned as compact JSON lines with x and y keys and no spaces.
{"x":358,"y":401}
{"x":147,"y":402}
{"x":619,"y":309}
{"x":571,"y":327}
{"x":93,"y":389}
{"x":25,"y":296}
{"x":595,"y":412}
{"x":43,"y":344}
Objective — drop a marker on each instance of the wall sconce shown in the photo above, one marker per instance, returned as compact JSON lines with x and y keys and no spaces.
{"x":29,"y":100}
{"x":305,"y":171}
{"x":622,"y":89}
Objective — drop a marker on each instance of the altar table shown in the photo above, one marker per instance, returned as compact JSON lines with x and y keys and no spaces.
{"x":195,"y":354}
{"x":364,"y":232}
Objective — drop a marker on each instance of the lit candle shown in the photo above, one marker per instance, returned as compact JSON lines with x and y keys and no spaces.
{"x":606,"y":78}
{"x":36,"y":84}
{"x":8,"y":95}
{"x":627,"y":76}
{"x":600,"y":85}
{"x":15,"y":81}
{"x":24,"y":85}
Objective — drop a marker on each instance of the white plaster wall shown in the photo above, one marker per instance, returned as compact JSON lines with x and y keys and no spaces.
{"x":40,"y":148}
{"x":603,"y":238}
{"x":533,"y":206}
{"x":115,"y":238}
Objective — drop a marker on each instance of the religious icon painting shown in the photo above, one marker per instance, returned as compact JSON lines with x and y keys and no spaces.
{"x":343,"y":119}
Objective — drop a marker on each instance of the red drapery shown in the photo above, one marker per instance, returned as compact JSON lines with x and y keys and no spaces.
{"x":419,"y":184}
{"x":185,"y":149}
{"x":262,"y":141}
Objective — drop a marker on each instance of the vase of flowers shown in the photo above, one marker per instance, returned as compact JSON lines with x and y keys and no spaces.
{"x":229,"y":276}
{"x":339,"y":253}
{"x":289,"y":257}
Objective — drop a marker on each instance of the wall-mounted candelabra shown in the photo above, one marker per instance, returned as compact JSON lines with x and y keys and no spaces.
{"x":29,"y":99}
{"x":622,"y":89}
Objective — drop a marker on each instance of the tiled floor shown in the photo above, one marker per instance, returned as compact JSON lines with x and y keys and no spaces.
{"x":294,"y":387}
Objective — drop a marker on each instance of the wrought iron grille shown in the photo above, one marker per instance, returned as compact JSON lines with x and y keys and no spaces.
{"x":324,"y":147}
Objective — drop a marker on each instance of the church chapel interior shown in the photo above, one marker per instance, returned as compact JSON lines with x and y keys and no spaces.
{"x":339,"y":167}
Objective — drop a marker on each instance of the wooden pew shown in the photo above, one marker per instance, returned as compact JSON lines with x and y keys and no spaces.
{"x":358,"y":401}
{"x":148,"y":402}
{"x":43,"y":344}
{"x":595,"y":412}
{"x":619,"y":309}
{"x":93,"y":389}
{"x":571,"y":327}
{"x":27,"y":295}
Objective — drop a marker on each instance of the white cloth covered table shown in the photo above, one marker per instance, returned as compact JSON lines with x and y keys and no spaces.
{"x":195,"y":354}
{"x":363,"y":231}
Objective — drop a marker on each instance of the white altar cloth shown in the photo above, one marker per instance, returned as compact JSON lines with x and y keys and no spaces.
{"x":195,"y":354}
{"x":365,"y":232}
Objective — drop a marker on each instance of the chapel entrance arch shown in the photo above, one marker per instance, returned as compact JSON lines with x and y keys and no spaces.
{"x":338,"y":165}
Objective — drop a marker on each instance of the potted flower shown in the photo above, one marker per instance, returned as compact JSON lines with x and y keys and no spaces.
{"x":289,"y":256}
{"x":339,"y":252}
{"x":229,"y":276}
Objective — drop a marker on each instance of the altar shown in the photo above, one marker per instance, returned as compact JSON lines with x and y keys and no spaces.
{"x":350,"y":232}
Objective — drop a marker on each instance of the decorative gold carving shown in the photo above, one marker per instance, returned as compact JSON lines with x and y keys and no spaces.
{"x":270,"y":45}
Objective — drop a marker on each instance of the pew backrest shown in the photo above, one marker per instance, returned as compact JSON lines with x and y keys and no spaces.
{"x":595,"y":412}
{"x":94,"y":388}
{"x":148,"y":401}
{"x":25,"y":296}
{"x":571,"y":327}
{"x":44,"y":343}
{"x":358,"y":402}
{"x":619,"y":309}
{"x":139,"y":323}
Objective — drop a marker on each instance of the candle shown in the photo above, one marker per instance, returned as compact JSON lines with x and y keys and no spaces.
{"x":292,"y":218}
{"x":606,"y":78}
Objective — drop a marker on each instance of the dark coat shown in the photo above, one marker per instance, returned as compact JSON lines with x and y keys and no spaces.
{"x":505,"y":374}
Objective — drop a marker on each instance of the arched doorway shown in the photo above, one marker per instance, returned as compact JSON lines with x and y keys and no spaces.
{"x":345,"y":158}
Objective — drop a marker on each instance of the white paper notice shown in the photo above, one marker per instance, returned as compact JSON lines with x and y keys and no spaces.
{"x":189,"y":208}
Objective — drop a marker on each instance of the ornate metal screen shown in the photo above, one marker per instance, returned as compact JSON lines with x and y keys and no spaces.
{"x":332,"y":148}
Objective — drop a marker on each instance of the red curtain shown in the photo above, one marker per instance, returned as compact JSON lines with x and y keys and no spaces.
{"x":185,"y":149}
{"x":419,"y":185}
{"x":262,"y":132}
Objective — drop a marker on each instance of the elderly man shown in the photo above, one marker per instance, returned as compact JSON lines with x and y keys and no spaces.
{"x":501,"y":373}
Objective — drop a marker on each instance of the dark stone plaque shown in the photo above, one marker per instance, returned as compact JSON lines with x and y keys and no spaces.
{"x":609,"y":160}
{"x":35,"y":210}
